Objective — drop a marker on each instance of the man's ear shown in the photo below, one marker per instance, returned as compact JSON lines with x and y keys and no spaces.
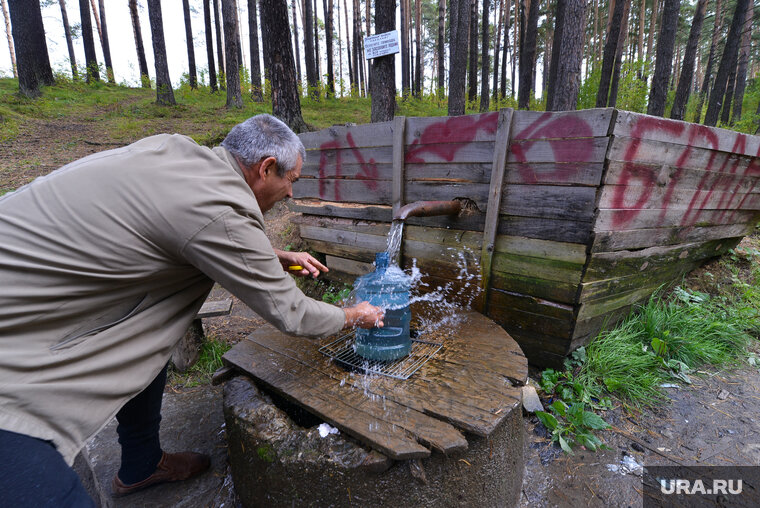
{"x":267,"y":167}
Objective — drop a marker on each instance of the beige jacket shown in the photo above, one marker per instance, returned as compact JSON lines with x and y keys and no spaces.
{"x":103,"y":265}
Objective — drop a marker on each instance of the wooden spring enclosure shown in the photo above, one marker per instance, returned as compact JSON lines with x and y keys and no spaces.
{"x":572,"y":217}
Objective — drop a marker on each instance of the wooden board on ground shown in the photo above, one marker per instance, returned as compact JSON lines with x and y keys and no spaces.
{"x":472,"y":384}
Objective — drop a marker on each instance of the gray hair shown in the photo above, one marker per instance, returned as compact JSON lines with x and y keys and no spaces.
{"x":263,"y":136}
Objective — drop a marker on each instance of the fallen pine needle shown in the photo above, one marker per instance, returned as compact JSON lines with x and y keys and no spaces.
{"x":462,"y":460}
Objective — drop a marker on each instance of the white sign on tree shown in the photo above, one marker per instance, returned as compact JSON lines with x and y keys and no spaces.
{"x":381,"y":45}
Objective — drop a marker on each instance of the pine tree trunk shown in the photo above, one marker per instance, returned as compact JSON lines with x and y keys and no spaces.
{"x":741,"y":72}
{"x":219,"y":45}
{"x":31,"y":47}
{"x":209,"y":43}
{"x":441,"y":51}
{"x":516,"y":48}
{"x":286,"y":104}
{"x":664,"y":59}
{"x":328,"y":7}
{"x":93,"y":73}
{"x":405,"y":81}
{"x":498,"y":19}
{"x":707,"y":77}
{"x":528,"y":54}
{"x":311,"y":67}
{"x":458,"y":49}
{"x":383,"y":84}
{"x":472,"y":70}
{"x":567,"y":54}
{"x":619,"y":55}
{"x":349,"y":59}
{"x":418,"y":57}
{"x":164,"y":92}
{"x":9,"y":36}
{"x":142,"y":62}
{"x":317,"y":59}
{"x":69,"y":42}
{"x":504,"y":50}
{"x":340,"y":50}
{"x":297,"y":41}
{"x":729,"y":52}
{"x":358,"y":57}
{"x":453,"y":27}
{"x":652,"y":28}
{"x":610,"y":51}
{"x":104,"y":42}
{"x":257,"y":93}
{"x":485,"y":69}
{"x":725,"y":112}
{"x":548,"y":49}
{"x":642,"y":17}
{"x":687,"y":68}
{"x":597,"y":50}
{"x":231,"y":51}
{"x":189,"y":41}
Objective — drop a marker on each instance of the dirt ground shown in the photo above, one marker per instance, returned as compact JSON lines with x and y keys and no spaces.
{"x":716,"y":421}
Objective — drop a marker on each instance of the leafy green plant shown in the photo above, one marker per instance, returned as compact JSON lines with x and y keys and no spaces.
{"x":335,"y":297}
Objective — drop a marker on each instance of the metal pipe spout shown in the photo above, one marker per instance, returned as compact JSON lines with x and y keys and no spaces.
{"x":428,"y":209}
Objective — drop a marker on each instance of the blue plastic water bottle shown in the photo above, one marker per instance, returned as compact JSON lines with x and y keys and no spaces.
{"x":386,"y":287}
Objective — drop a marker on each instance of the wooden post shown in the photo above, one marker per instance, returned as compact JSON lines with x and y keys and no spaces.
{"x":501,"y":147}
{"x":397,"y":185}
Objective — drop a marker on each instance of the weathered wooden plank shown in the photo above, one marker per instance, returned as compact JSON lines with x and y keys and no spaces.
{"x":674,"y":198}
{"x":215,"y":308}
{"x":588,"y":329}
{"x":466,"y":152}
{"x":527,"y":338}
{"x":732,"y":174}
{"x":607,"y":265}
{"x":348,"y":266}
{"x":549,"y":201}
{"x":348,"y":411}
{"x":337,"y":209}
{"x":397,"y":187}
{"x":532,"y":304}
{"x":609,"y":241}
{"x":494,"y":198}
{"x":549,"y":269}
{"x":555,"y":173}
{"x":355,"y":170}
{"x":528,"y":322}
{"x":607,"y":287}
{"x":603,"y":306}
{"x":455,"y":129}
{"x":688,"y":135}
{"x":331,"y":160}
{"x":566,"y":124}
{"x":556,"y":230}
{"x":627,"y":219}
{"x":339,"y":136}
{"x":563,"y":292}
{"x":576,"y":151}
{"x":561,"y":251}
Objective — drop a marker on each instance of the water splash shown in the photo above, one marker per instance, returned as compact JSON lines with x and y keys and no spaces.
{"x":394,"y":241}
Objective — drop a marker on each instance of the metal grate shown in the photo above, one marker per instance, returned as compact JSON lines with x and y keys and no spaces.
{"x":342,"y":351}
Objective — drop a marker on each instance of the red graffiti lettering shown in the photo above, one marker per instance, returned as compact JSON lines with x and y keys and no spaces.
{"x":444,"y":139}
{"x":557,"y":131}
{"x":368,"y":174}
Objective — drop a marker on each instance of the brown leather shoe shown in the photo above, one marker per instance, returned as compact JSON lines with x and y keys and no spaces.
{"x":172,"y":467}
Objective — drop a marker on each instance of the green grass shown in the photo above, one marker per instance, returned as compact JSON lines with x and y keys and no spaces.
{"x":209,"y":361}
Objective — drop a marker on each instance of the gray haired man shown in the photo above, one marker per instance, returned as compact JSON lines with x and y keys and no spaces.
{"x":103,"y":265}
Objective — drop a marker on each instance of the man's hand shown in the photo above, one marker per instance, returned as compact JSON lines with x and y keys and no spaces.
{"x":363,"y":315}
{"x":310,"y":266}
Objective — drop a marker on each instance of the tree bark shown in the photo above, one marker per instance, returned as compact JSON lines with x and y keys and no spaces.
{"x":286,"y":104}
{"x":142,"y":62}
{"x":209,"y":44}
{"x":311,"y":68}
{"x":664,"y":58}
{"x":257,"y":93}
{"x":383,"y":83}
{"x":619,"y":55}
{"x":358,"y":57}
{"x":219,"y":45}
{"x":687,"y":68}
{"x":297,"y":42}
{"x":317,"y":60}
{"x":527,"y":55}
{"x":472,"y":71}
{"x":69,"y":42}
{"x":405,"y":82}
{"x":725,"y":112}
{"x":31,"y":47}
{"x":496,"y":49}
{"x":652,"y":28}
{"x":485,"y":69}
{"x":732,"y":45}
{"x":642,"y":17}
{"x":567,"y":55}
{"x":328,"y":7}
{"x":9,"y":36}
{"x":458,"y":49}
{"x":707,"y":76}
{"x":418,"y":74}
{"x":741,"y":72}
{"x":190,"y":48}
{"x":231,"y":51}
{"x":104,"y":42}
{"x":610,"y":51}
{"x":505,"y":49}
{"x":351,"y":65}
{"x":164,"y":92}
{"x":441,"y":45}
{"x":90,"y":58}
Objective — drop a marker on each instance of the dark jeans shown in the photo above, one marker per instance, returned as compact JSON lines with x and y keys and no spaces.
{"x":34,"y":474}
